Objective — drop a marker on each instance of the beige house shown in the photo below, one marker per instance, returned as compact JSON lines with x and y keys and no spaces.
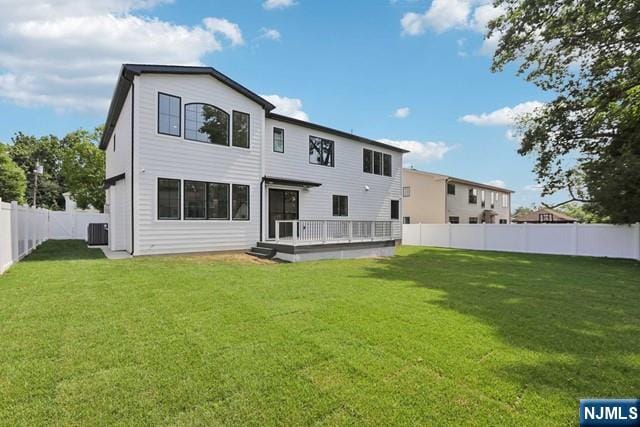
{"x":430,"y":198}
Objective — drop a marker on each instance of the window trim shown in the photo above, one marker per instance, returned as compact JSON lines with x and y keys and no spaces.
{"x":179,"y":135}
{"x":333,"y":200}
{"x":179,"y":218}
{"x":248,"y":129}
{"x":228,"y":144}
{"x":391,"y":209}
{"x":333,"y":145}
{"x":248,"y":218}
{"x":274,"y":140}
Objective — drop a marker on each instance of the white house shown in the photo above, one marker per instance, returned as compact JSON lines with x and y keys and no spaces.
{"x":197,"y":162}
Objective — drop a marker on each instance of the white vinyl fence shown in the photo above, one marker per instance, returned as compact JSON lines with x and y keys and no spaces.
{"x":598,"y":240}
{"x":22,"y":229}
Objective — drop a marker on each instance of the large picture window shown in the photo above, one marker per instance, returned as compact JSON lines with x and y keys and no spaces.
{"x":217,"y":201}
{"x":168,"y":114}
{"x":321,"y":151}
{"x":386,"y":164}
{"x":206,"y":123}
{"x":340,"y":206}
{"x":168,"y":198}
{"x":367,"y":161}
{"x":278,"y":140}
{"x":195,"y":200}
{"x":240,"y":129}
{"x":240,"y":203}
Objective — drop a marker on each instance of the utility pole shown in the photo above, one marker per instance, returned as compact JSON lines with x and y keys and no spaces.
{"x":37,"y":171}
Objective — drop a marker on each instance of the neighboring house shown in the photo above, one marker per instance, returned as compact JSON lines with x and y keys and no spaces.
{"x":544,"y":215}
{"x":197,"y":162}
{"x":430,"y":198}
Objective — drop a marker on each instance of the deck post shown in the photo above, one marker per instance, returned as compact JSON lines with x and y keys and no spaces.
{"x":294,"y":231}
{"x":277,"y":231}
{"x":324,"y":231}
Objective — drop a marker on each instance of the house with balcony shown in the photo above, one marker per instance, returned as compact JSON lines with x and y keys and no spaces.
{"x":431,"y":198}
{"x":197,"y":162}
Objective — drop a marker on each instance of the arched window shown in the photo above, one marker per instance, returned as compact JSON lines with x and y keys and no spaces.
{"x":206,"y":123}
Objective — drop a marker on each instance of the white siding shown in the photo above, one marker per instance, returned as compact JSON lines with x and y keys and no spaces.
{"x":459,"y":205}
{"x":174,"y":157}
{"x":346,"y":178}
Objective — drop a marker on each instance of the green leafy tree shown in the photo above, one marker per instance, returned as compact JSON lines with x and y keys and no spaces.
{"x":13,"y":182}
{"x":582,"y":212}
{"x":26,"y":151}
{"x":523,"y":210}
{"x":587,"y":53}
{"x":83,"y":165}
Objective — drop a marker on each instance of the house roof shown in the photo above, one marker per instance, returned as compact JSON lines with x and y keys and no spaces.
{"x":535,"y":216}
{"x":128,"y":71}
{"x":461,"y":181}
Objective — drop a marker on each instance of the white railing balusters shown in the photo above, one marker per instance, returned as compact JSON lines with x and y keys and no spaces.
{"x":316,"y":231}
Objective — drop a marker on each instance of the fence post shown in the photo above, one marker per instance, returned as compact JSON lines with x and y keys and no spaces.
{"x":15,"y":232}
{"x":449,"y":245}
{"x":420,"y":234}
{"x":525,"y":238}
{"x":484,"y":236}
{"x":637,"y":245}
{"x":574,"y":238}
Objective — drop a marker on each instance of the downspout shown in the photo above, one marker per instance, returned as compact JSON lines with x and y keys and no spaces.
{"x":446,"y":199}
{"x":124,"y":75}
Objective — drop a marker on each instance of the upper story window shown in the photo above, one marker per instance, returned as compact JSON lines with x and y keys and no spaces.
{"x":473,"y":196}
{"x":505,"y":201}
{"x":340,"y":206}
{"x":451,"y":189}
{"x":367,"y":161}
{"x":395,"y":209}
{"x":406,"y":191}
{"x":493,"y":197}
{"x":278,"y":140}
{"x":114,"y":142}
{"x":321,"y":151}
{"x":376,"y":162}
{"x":386,"y":164}
{"x":168,"y":114}
{"x":482,"y":202}
{"x":240,"y":129}
{"x":206,"y":123}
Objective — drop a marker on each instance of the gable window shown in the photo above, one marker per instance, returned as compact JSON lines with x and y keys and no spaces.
{"x":217,"y":201}
{"x":406,"y":220}
{"x":473,"y":196}
{"x":454,"y":220}
{"x":340,"y":205}
{"x":195,"y":200}
{"x":367,"y":161}
{"x":451,"y":189}
{"x":473,"y":220}
{"x":240,"y":129}
{"x":321,"y":151}
{"x":240,"y":202}
{"x":206,"y":123}
{"x":168,"y":198}
{"x":386,"y":164}
{"x":395,"y":209}
{"x":278,"y":140}
{"x":168,"y":114}
{"x":377,"y":163}
{"x":406,"y":191}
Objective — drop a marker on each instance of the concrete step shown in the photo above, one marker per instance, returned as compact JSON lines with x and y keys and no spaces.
{"x":259,"y":255}
{"x":264,"y":251}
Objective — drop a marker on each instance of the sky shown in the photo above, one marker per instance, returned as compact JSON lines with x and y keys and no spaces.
{"x":415,"y":73}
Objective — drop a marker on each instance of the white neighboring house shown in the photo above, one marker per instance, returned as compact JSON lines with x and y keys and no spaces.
{"x":197,"y":162}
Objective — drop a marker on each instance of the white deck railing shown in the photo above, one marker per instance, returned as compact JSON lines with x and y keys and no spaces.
{"x":316,"y":231}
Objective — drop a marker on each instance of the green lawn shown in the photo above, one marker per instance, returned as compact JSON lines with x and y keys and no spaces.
{"x":431,"y":336}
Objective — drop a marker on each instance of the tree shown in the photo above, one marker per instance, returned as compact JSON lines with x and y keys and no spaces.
{"x":587,"y":53}
{"x":581,"y":212}
{"x":26,"y":151}
{"x":523,"y":210}
{"x":83,"y":166}
{"x":13,"y":182}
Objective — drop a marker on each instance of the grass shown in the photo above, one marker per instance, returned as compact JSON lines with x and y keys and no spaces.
{"x":431,"y":336}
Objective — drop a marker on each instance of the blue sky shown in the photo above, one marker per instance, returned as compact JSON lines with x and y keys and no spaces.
{"x":415,"y":73}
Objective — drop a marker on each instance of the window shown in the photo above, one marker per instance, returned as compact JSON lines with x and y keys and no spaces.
{"x":395,"y":209}
{"x":320,"y":151}
{"x":377,"y":163}
{"x":114,"y":142}
{"x":473,"y":196}
{"x":406,"y":191}
{"x":406,"y":220}
{"x":240,"y":202}
{"x":168,"y":198}
{"x":473,"y":220}
{"x":482,"y":199}
{"x":386,"y":164}
{"x":217,"y":201}
{"x":451,"y":189}
{"x":454,"y":220}
{"x":503,"y":221}
{"x":240,"y":129}
{"x":367,"y":161}
{"x":278,"y":140}
{"x":168,"y":114}
{"x":206,"y":123}
{"x":505,"y":201}
{"x":195,"y":200}
{"x":545,"y":217}
{"x":340,"y":206}
{"x":493,"y":197}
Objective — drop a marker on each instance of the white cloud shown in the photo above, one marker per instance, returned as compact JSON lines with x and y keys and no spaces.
{"x":402,"y":113}
{"x":66,"y":54}
{"x":497,"y":183}
{"x":505,"y":116}
{"x":278,"y":4}
{"x":534,"y":188}
{"x":270,"y":34}
{"x":420,"y":151}
{"x":291,"y":107}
